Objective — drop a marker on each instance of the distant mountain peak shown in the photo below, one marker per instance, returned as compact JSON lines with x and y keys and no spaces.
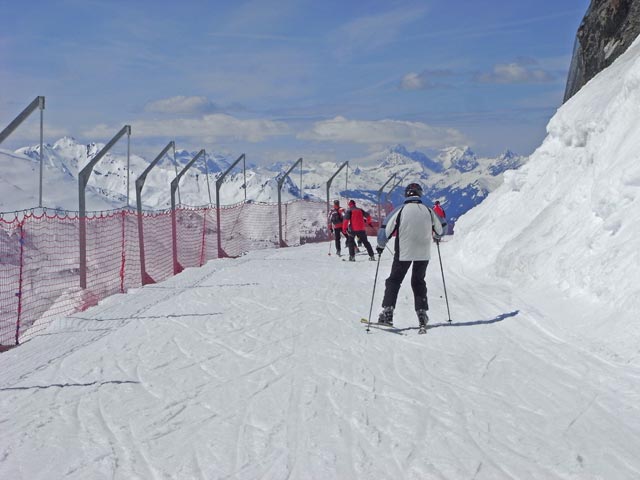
{"x":507,"y":155}
{"x":398,"y":155}
{"x":461,"y":158}
{"x":457,"y":152}
{"x":66,"y":142}
{"x":506,"y":161}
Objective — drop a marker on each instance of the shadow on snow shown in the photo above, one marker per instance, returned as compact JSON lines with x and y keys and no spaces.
{"x":497,"y":319}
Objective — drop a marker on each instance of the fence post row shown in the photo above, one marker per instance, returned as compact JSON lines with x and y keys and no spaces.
{"x":331,"y":180}
{"x":380,"y":195}
{"x":37,"y":102}
{"x":146,"y":278}
{"x":221,"y":252}
{"x":280,"y":183}
{"x":83,"y":179}
{"x":177,"y":268}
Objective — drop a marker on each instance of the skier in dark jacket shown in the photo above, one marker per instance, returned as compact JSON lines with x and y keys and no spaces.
{"x":354,"y":225}
{"x":335,"y":219}
{"x":414,"y":224}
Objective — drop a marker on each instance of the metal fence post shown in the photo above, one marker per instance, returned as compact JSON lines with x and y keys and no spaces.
{"x":177,"y":268}
{"x":345,"y":164}
{"x":280,"y":183}
{"x":146,"y":278}
{"x":221,"y":252}
{"x":38,"y":102}
{"x":380,"y":195}
{"x":83,"y":179}
{"x":41,"y":105}
{"x":20,"y":282}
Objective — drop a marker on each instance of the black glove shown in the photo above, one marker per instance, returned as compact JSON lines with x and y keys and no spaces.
{"x":379,"y":250}
{"x":437,"y":237}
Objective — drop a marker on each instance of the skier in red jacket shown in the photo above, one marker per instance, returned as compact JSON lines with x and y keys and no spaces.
{"x":438,"y":210}
{"x":354,"y":225}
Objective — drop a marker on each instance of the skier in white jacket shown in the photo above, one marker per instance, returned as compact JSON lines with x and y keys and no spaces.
{"x":414,"y":225}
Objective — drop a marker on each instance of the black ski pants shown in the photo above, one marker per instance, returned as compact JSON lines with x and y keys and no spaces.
{"x":398,"y":271}
{"x":336,"y":234}
{"x":351,"y":242}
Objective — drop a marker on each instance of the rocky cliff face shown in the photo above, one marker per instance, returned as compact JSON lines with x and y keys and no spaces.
{"x":606,"y":31}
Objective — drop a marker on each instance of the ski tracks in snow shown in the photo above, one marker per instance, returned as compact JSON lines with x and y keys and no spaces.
{"x":258,"y":367}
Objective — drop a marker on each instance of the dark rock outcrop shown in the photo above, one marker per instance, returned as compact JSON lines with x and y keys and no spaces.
{"x":606,"y":31}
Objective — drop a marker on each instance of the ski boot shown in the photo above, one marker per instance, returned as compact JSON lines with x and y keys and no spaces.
{"x":352,"y":258}
{"x":423,"y":318}
{"x":386,"y":317}
{"x":372,"y":258}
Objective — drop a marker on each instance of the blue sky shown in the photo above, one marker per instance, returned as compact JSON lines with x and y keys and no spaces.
{"x":331,"y":80}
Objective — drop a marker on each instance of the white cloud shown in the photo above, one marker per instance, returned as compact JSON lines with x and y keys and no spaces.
{"x":182,"y":105}
{"x":515,"y":72}
{"x":422,"y":81}
{"x":383,"y":132}
{"x":373,"y":31}
{"x":412,"y":81}
{"x":209,"y":128}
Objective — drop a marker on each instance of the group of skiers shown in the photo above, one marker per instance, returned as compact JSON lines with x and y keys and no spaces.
{"x":352,"y":224}
{"x":414,"y":225}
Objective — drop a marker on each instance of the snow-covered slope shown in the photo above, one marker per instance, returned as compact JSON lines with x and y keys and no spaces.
{"x":257,"y":367}
{"x":570,"y":218}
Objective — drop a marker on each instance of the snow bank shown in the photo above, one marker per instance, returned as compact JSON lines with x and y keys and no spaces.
{"x":571,"y":216}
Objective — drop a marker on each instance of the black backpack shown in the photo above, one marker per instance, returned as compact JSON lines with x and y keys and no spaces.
{"x":335,"y":217}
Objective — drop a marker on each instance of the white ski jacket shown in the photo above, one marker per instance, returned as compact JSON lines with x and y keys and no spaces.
{"x":413,"y":224}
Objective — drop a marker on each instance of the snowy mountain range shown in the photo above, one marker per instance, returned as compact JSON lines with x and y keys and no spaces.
{"x":456,"y":177}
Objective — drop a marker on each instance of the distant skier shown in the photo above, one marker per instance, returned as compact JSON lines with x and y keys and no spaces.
{"x":414,"y":224}
{"x":354,"y":225}
{"x":335,"y":219}
{"x":437,"y":208}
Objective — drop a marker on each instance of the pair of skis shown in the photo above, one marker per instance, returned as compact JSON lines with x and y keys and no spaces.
{"x":390,"y":328}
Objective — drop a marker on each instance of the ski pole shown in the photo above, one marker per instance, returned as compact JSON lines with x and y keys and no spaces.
{"x":373,"y":294}
{"x":443,"y":283}
{"x":375,"y":279}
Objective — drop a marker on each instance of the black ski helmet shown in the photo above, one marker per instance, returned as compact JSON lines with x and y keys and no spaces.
{"x":413,"y":190}
{"x":336,"y":203}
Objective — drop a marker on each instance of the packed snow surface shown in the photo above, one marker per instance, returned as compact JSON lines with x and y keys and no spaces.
{"x":258,"y":367}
